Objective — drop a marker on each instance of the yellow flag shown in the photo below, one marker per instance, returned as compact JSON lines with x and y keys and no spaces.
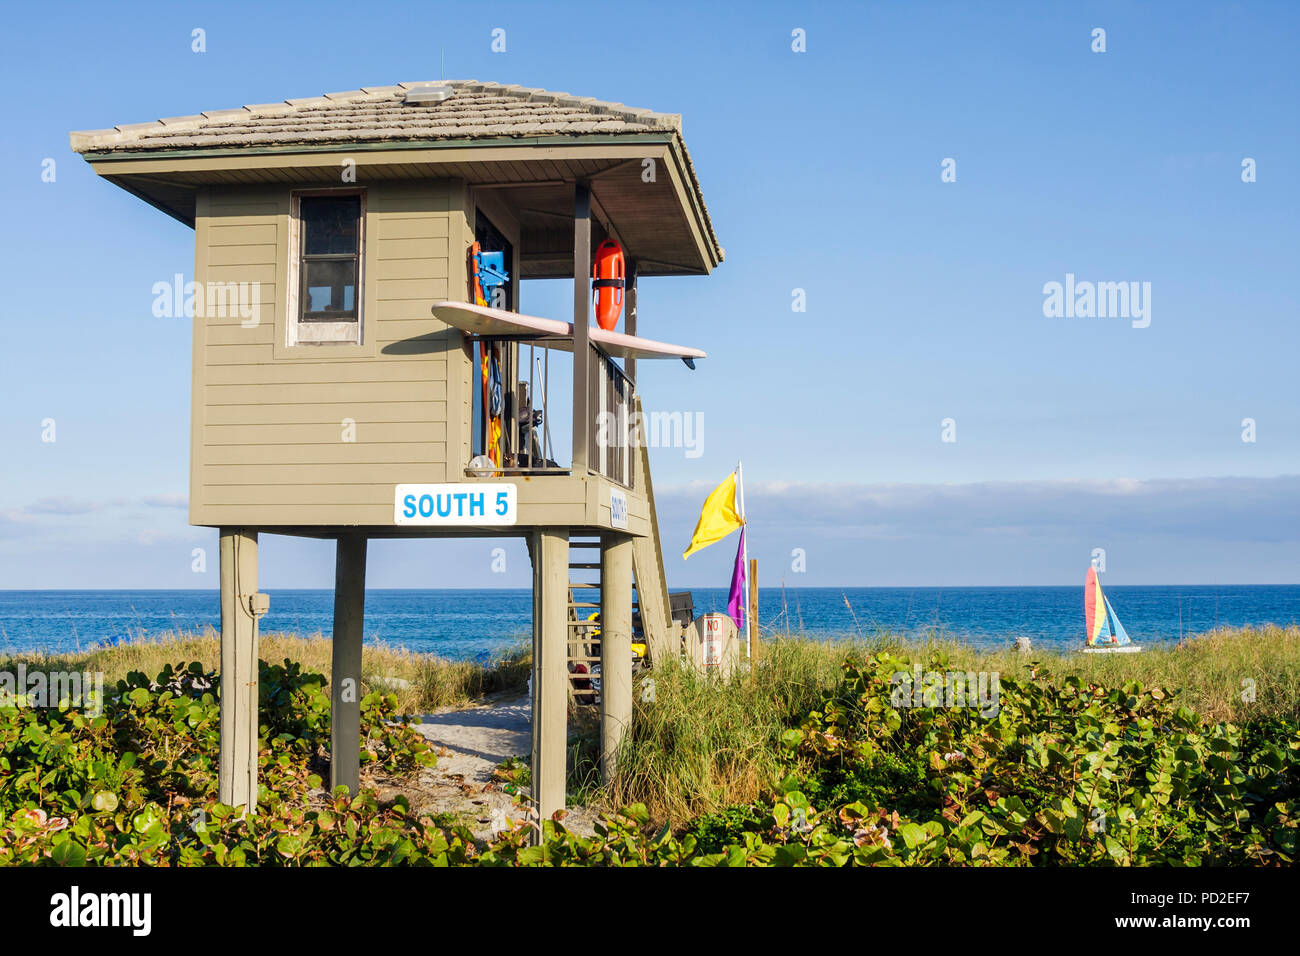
{"x":718,"y":518}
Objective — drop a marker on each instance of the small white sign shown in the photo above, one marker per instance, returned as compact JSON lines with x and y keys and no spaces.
{"x":715,"y":639}
{"x":479,"y":503}
{"x":617,"y":508}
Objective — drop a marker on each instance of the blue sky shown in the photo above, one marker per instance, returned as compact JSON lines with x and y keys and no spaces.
{"x":822,"y":172}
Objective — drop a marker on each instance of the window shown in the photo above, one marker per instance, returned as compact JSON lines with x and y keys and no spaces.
{"x":327,"y":306}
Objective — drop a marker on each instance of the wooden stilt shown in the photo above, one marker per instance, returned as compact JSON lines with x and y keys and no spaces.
{"x":550,"y":667}
{"x":240,"y":607}
{"x":345,"y":676}
{"x":615,"y":647}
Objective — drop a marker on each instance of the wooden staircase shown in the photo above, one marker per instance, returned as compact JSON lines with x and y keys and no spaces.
{"x":652,"y":622}
{"x":662,"y":635}
{"x":584,"y":600}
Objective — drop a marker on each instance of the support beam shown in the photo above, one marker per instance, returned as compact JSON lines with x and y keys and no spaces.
{"x":629,"y":324}
{"x":345,"y":668}
{"x":550,"y":667}
{"x":240,"y":608}
{"x":615,"y":648}
{"x":662,"y":634}
{"x":581,"y":323}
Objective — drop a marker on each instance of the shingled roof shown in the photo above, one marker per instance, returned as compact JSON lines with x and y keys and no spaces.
{"x":165,"y":161}
{"x":378,"y":115}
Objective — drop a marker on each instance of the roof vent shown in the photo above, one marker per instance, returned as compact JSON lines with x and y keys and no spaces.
{"x":427,"y":94}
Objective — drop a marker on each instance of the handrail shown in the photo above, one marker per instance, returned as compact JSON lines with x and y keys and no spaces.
{"x":526,"y":440}
{"x":612,"y":421}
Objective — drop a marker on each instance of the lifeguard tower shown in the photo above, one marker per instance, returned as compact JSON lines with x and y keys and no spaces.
{"x":349,"y":383}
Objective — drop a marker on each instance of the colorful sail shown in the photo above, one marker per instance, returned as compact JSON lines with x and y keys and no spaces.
{"x":1117,"y":633}
{"x":1103,"y":626}
{"x":1094,"y":608}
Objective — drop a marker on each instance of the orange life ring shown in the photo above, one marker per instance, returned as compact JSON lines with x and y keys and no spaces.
{"x":607,"y":283}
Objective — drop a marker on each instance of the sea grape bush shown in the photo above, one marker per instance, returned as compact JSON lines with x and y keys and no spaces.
{"x":1066,"y":773}
{"x":137,"y":784}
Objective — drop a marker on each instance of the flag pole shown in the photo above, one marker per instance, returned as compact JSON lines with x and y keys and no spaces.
{"x":740,"y":507}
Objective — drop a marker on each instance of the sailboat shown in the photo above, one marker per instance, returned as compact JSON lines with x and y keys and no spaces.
{"x":1105,"y":633}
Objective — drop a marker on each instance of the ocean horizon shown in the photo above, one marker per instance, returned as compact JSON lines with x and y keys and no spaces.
{"x":478,"y":623}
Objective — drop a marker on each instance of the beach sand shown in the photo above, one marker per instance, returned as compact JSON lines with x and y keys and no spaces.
{"x":471,"y":742}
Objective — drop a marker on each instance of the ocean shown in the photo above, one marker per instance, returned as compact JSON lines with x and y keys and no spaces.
{"x":477,"y":624}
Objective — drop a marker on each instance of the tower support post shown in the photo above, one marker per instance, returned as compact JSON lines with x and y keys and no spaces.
{"x":615,"y":648}
{"x":550,"y":553}
{"x":345,"y":666}
{"x":241,"y":606}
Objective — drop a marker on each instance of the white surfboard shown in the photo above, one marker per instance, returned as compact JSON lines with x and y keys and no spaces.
{"x":485,"y":320}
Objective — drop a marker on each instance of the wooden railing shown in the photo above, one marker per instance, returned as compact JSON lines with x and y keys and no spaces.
{"x":526,"y":426}
{"x":610,"y":442}
{"x":529,"y":419}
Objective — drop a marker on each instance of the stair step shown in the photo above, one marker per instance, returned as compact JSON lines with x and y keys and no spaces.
{"x":585,"y":566}
{"x":582,"y":584}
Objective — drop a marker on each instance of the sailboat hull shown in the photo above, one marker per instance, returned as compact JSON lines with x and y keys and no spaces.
{"x":1113,"y":649}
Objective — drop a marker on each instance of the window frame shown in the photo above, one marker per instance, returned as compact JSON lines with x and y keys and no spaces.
{"x":302,"y":331}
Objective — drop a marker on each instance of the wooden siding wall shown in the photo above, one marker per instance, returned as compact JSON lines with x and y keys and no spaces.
{"x":268,"y":434}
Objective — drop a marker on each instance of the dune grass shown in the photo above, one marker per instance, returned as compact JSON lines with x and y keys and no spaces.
{"x":421,"y":682}
{"x":1232,"y":674}
{"x":700,"y":745}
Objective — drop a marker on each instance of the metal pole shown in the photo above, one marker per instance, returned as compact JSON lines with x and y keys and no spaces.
{"x":740,"y":506}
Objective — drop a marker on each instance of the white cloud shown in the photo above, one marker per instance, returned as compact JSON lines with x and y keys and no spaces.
{"x":1237,"y":509}
{"x":166,"y":501}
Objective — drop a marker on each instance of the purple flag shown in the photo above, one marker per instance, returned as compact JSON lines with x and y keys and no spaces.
{"x":736,"y":599}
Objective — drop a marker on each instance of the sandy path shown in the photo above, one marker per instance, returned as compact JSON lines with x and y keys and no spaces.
{"x":471,"y":742}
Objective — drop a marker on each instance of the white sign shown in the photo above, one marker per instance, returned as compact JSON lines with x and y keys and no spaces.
{"x":617,"y":508}
{"x":713,"y":644}
{"x":479,"y":503}
{"x":715,"y":640}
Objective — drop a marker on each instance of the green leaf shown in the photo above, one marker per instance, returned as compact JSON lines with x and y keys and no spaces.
{"x":69,"y":853}
{"x":289,"y":845}
{"x":912,"y":835}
